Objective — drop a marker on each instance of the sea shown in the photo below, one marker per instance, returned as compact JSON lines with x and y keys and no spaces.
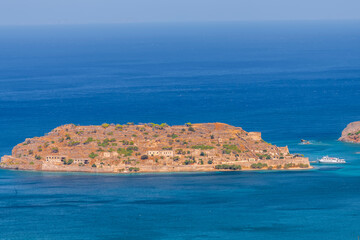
{"x":289,"y":80}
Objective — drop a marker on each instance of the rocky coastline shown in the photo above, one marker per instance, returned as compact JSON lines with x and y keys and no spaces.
{"x":351,"y":133}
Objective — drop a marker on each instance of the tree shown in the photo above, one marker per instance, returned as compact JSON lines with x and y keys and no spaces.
{"x":93,"y":155}
{"x":54,"y":150}
{"x":143,"y":157}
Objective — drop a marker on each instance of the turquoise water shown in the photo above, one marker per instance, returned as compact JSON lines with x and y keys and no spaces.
{"x":288,"y":80}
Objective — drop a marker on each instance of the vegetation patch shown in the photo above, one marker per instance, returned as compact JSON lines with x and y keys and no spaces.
{"x":202,"y":147}
{"x":228,"y":167}
{"x":258,"y":165}
{"x":125,"y":151}
{"x":73,"y":143}
{"x":68,"y":162}
{"x":191,"y":129}
{"x":54,"y":150}
{"x":93,"y":155}
{"x":263,"y":156}
{"x":134,"y":169}
{"x":188,"y":162}
{"x":89,"y":140}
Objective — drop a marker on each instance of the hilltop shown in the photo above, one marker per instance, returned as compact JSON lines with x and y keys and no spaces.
{"x":150,"y":148}
{"x":351,"y":133}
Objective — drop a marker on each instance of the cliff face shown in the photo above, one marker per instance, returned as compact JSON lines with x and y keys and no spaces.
{"x":351,"y":133}
{"x":150,"y":148}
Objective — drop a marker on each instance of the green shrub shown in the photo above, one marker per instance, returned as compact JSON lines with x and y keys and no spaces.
{"x":302,"y":165}
{"x":173,"y":136}
{"x":226,"y":151}
{"x":93,"y":155}
{"x":210,"y":162}
{"x":132,"y":148}
{"x":73,"y":143}
{"x":37,"y":157}
{"x":143,"y":157}
{"x":263,"y":156}
{"x":30,"y":152}
{"x":94,"y":165}
{"x":188,"y":162}
{"x":202,"y":147}
{"x":258,"y":165}
{"x":289,"y":165}
{"x":134,"y":169}
{"x":105,"y":125}
{"x":54,"y":150}
{"x":233,"y":148}
{"x":228,"y":167}
{"x":70,"y":161}
{"x":89,"y":140}
{"x":126,"y":152}
{"x":191,"y":129}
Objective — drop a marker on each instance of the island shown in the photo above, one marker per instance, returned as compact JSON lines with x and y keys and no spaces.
{"x":129,"y":148}
{"x":351,"y":133}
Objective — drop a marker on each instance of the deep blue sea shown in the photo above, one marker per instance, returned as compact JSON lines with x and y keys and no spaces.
{"x":289,"y":80}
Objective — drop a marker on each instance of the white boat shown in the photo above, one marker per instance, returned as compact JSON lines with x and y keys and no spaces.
{"x":328,"y":159}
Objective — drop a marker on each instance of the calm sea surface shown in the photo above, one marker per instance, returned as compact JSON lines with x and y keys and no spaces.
{"x":288,"y":80}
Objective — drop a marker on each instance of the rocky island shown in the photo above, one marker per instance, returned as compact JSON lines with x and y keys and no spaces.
{"x":150,"y":148}
{"x":351,"y":133}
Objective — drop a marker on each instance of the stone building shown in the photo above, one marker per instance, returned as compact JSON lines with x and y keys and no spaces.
{"x":256,"y":136}
{"x":81,"y":161}
{"x":55,"y":159}
{"x":165,"y":153}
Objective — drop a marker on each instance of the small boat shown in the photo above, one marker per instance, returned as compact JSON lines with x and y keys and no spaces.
{"x":328,"y":159}
{"x":305,"y":142}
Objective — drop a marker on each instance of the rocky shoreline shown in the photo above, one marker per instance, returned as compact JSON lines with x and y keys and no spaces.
{"x":351,"y":133}
{"x":130,"y":148}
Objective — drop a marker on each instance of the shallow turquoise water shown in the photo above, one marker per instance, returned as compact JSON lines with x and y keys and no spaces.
{"x":288,"y":80}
